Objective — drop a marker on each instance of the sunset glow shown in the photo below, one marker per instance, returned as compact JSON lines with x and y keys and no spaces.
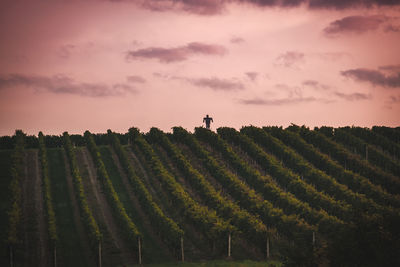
{"x":97,"y":65}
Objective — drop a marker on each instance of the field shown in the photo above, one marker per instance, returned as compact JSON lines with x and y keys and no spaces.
{"x":255,"y":197}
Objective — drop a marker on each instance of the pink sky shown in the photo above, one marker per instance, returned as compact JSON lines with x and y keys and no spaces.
{"x":97,"y":65}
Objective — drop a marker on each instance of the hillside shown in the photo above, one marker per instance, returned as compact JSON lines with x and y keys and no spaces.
{"x":296,"y":196}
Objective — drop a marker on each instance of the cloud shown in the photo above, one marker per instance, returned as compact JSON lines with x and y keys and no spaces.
{"x":60,"y":84}
{"x":390,"y":68}
{"x":393,"y":99}
{"x":355,"y":24}
{"x":135,"y":79}
{"x":200,"y":7}
{"x":278,"y":102}
{"x":353,"y":96}
{"x":180,"y":53}
{"x":215,"y":7}
{"x":216,"y":84}
{"x":65,"y":51}
{"x":375,"y":77}
{"x":237,"y":40}
{"x":252,"y":75}
{"x":391,"y":28}
{"x":315,"y":85}
{"x":290,"y":59}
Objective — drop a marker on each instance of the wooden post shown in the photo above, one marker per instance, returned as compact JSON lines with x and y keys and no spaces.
{"x":99,"y":254}
{"x":11,"y":257}
{"x":313,"y":238}
{"x":229,"y":245}
{"x":267,"y":247}
{"x":55,"y":256}
{"x":140,"y":252}
{"x":182,"y":251}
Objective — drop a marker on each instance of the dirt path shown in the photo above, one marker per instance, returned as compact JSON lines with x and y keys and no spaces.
{"x":144,"y":219}
{"x":75,"y":206}
{"x":127,"y":254}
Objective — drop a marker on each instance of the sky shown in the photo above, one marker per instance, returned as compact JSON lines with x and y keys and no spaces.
{"x":97,"y":65}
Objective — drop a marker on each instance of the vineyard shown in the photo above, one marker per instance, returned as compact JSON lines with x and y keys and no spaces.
{"x":294,"y":196}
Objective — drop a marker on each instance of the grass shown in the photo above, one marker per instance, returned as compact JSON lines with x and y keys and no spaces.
{"x":69,"y":251}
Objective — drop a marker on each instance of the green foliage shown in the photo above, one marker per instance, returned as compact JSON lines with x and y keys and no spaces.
{"x":95,"y":235}
{"x":17,"y":172}
{"x":266,"y":186}
{"x":166,"y":227}
{"x":375,"y":156}
{"x":290,"y":225}
{"x":349,"y":160}
{"x":205,"y":219}
{"x":285,"y":177}
{"x":51,"y":217}
{"x":249,"y":224}
{"x":130,"y":229}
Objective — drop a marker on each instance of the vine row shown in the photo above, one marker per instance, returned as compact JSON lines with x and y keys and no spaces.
{"x":51,"y":216}
{"x":249,"y":224}
{"x":95,"y":235}
{"x":266,"y":186}
{"x":290,"y":225}
{"x":205,"y":219}
{"x":129,"y":228}
{"x":166,"y":227}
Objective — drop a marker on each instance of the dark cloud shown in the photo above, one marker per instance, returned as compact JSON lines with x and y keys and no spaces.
{"x":353,"y":96}
{"x":278,"y":102}
{"x":135,"y":79}
{"x":181,"y":53}
{"x":214,"y":7}
{"x":315,"y":85}
{"x":200,"y":7}
{"x":392,"y":28}
{"x":344,"y":4}
{"x":237,"y":40}
{"x":355,"y":24}
{"x":60,"y":84}
{"x":289,"y":59}
{"x":374,"y":77}
{"x":390,"y":68}
{"x":394,"y":99}
{"x":216,"y":84}
{"x":252,"y":75}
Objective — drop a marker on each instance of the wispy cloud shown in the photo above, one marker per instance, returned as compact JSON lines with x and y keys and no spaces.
{"x":290,"y":59}
{"x":390,"y":68}
{"x":352,"y":96}
{"x":278,"y":101}
{"x":216,"y":84}
{"x":252,"y":75}
{"x":374,"y":77}
{"x":175,"y":54}
{"x":135,"y":79}
{"x":61,"y":84}
{"x":360,"y":24}
{"x":237,"y":40}
{"x":315,"y":85}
